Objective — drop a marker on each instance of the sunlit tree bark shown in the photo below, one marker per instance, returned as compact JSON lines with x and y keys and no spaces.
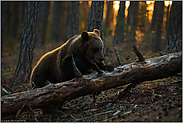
{"x":159,"y":23}
{"x":174,"y":26}
{"x":24,"y":68}
{"x":73,"y":28}
{"x":95,"y":18}
{"x":119,"y":30}
{"x":42,"y":23}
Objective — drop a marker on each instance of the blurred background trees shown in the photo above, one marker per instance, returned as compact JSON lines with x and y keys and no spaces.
{"x":58,"y":21}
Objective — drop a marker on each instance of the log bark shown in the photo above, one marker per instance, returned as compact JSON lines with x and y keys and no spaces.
{"x":150,"y":69}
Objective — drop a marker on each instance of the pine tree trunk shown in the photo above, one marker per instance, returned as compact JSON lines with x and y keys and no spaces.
{"x":134,"y":20}
{"x":95,"y":18}
{"x":42,"y":23}
{"x":24,"y":68}
{"x":174,"y":26}
{"x":84,"y":11}
{"x":73,"y":19}
{"x":129,"y":17}
{"x":23,"y":11}
{"x":155,"y":12}
{"x":119,"y":30}
{"x":109,"y":17}
{"x":15,"y":19}
{"x":167,"y":15}
{"x":143,"y":15}
{"x":159,"y":23}
{"x":4,"y":14}
{"x":56,"y":22}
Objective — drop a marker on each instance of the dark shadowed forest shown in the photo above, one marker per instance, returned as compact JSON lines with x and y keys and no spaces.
{"x":30,"y":29}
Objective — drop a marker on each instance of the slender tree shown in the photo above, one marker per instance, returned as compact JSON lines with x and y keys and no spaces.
{"x":142,"y":15}
{"x":23,"y":70}
{"x":4,"y":17}
{"x":159,"y":23}
{"x":73,"y":19}
{"x":119,"y":30}
{"x":83,"y":15}
{"x":167,"y":14}
{"x":56,"y":22}
{"x":155,"y":12}
{"x":174,"y":26}
{"x":109,"y":17}
{"x":15,"y":19}
{"x":42,"y":23}
{"x":23,"y":11}
{"x":129,"y":17}
{"x":95,"y":18}
{"x":134,"y":20}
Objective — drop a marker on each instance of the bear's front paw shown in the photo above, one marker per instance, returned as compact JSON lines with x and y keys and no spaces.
{"x":109,"y":68}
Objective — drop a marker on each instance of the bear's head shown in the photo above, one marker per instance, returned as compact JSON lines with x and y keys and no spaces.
{"x":89,"y":45}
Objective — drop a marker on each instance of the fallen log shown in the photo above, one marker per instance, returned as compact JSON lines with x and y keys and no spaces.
{"x":150,"y":69}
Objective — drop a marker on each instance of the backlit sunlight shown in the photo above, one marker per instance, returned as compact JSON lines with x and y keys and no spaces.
{"x":116,"y":5}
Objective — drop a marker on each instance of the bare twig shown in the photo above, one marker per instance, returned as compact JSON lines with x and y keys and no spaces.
{"x":118,"y":58}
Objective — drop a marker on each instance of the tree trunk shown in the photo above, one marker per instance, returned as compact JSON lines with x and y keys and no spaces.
{"x":174,"y":26}
{"x":73,"y":19}
{"x":159,"y":23}
{"x":95,"y":18}
{"x":109,"y":17}
{"x":56,"y":22}
{"x":4,"y":13}
{"x":142,"y":15}
{"x":22,"y":11}
{"x":119,"y":30}
{"x":137,"y":72}
{"x":155,"y":12}
{"x":42,"y":23}
{"x":167,"y":15}
{"x":129,"y":17}
{"x":15,"y":19}
{"x":24,"y":68}
{"x":83,"y":15}
{"x":134,"y":19}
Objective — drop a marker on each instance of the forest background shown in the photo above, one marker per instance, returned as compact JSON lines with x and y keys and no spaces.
{"x":154,"y":27}
{"x":143,"y":24}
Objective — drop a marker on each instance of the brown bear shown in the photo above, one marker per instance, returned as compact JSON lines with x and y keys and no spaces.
{"x":56,"y":65}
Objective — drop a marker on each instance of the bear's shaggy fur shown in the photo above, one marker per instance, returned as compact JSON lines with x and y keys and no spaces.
{"x":56,"y":65}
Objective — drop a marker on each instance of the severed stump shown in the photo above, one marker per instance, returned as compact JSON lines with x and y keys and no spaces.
{"x":136,"y":72}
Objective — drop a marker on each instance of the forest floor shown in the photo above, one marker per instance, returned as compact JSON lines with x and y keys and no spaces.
{"x":157,"y":100}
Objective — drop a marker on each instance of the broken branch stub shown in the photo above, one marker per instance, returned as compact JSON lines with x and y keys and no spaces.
{"x":118,"y":58}
{"x":139,"y":55}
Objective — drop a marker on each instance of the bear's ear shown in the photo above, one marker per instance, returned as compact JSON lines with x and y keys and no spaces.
{"x":97,"y":32}
{"x":84,"y":35}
